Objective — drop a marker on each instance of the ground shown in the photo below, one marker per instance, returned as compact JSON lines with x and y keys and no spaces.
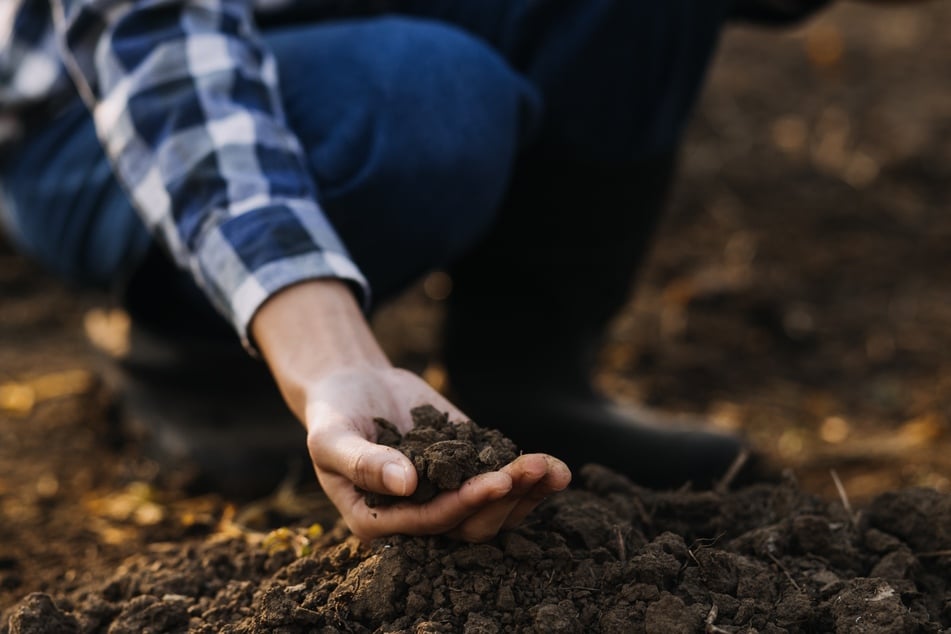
{"x":797,"y":291}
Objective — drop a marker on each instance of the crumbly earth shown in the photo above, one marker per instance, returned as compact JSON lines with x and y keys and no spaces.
{"x":445,"y":453}
{"x":609,"y":557}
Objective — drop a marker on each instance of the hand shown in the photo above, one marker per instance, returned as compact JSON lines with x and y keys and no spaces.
{"x":341,"y":431}
{"x":336,"y":379}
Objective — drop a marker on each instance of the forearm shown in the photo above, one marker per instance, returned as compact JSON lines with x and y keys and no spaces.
{"x":309,"y":330}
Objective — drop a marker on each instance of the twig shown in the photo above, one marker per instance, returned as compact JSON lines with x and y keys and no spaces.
{"x":707,"y":542}
{"x":621,"y":550}
{"x":843,"y":496}
{"x":694,"y":557}
{"x":735,"y":467}
{"x":701,"y":543}
{"x":935,"y":553}
{"x":785,"y":571}
{"x":585,"y":588}
{"x":710,"y":628}
{"x":308,"y":611}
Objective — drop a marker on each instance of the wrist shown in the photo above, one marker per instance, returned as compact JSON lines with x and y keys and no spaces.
{"x":310,"y":330}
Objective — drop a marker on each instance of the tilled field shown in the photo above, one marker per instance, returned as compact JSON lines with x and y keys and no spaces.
{"x":610,"y":557}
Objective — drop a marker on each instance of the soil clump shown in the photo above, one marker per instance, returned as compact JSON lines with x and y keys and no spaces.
{"x":445,"y":453}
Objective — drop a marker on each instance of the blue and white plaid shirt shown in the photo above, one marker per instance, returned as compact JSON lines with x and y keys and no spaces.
{"x":186,"y":104}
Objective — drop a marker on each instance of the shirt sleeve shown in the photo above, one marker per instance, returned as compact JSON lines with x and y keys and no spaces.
{"x":186,"y":105}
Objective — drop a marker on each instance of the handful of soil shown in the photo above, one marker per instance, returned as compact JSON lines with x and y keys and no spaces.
{"x":445,"y":454}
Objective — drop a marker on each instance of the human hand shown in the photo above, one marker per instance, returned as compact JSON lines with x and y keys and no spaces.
{"x":337,"y":380}
{"x":341,"y":435}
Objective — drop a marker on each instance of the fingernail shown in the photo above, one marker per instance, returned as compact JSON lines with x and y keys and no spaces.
{"x":394,"y":478}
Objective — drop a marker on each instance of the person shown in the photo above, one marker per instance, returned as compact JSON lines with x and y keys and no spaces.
{"x":279,"y":160}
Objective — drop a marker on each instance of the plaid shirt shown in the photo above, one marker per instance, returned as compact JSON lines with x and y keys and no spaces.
{"x":186,"y":104}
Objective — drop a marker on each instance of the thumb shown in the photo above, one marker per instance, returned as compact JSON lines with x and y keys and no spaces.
{"x":369,"y":466}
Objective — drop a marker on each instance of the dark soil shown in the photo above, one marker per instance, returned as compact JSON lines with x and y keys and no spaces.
{"x":445,"y":454}
{"x":798,"y":291}
{"x":610,"y":557}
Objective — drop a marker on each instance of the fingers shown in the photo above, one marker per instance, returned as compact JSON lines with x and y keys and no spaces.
{"x":557,"y":478}
{"x":535,"y":477}
{"x":526,"y":472}
{"x":366,"y":464}
{"x":476,"y":512}
{"x":439,"y":516}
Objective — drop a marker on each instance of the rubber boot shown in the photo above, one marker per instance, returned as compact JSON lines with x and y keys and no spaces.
{"x":526,"y":314}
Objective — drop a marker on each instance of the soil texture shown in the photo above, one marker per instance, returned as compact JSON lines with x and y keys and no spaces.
{"x":610,"y":557}
{"x":445,"y":453}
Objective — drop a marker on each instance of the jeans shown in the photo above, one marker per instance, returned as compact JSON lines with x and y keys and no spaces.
{"x":377,"y":103}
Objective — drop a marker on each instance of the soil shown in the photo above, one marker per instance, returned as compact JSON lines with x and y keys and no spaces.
{"x":445,"y":454}
{"x":610,"y":557}
{"x":797,"y":291}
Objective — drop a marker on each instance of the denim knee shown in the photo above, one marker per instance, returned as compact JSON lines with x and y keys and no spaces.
{"x":411,"y":130}
{"x":64,"y":207}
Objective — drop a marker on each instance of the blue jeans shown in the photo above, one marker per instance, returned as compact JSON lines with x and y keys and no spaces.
{"x":404,"y":185}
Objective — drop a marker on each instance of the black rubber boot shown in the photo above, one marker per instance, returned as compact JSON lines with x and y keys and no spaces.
{"x":200,"y":406}
{"x":526,"y":315}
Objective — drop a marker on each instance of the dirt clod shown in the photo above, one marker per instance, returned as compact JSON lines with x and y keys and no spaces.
{"x":37,"y":614}
{"x":445,"y":453}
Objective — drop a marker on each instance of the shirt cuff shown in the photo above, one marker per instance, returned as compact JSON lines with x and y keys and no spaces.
{"x":245,"y":260}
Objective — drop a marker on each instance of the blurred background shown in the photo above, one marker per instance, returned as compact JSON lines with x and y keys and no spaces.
{"x":801,"y":289}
